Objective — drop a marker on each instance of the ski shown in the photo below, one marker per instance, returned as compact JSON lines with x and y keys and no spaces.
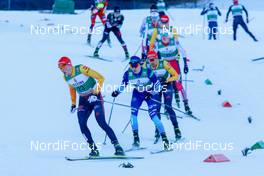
{"x":103,"y":158}
{"x":99,"y":58}
{"x":135,"y":149}
{"x":160,"y":151}
{"x":262,"y":58}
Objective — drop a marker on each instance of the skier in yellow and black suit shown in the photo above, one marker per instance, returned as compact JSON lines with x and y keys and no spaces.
{"x":88,"y":83}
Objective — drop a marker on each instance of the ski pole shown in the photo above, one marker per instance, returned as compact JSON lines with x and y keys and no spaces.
{"x":192,"y":116}
{"x":126,"y":126}
{"x":111,"y":111}
{"x":127,"y":106}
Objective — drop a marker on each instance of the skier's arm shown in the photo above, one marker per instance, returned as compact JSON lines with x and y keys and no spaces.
{"x":125,"y":81}
{"x":229,"y":10}
{"x":172,"y":72}
{"x":92,"y":73}
{"x":73,"y":95}
{"x":245,"y":10}
{"x":120,"y":22}
{"x":153,"y":39}
{"x":218,"y":11}
{"x":204,"y":11}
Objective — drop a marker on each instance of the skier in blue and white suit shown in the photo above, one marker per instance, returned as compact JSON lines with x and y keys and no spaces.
{"x":212,"y":13}
{"x":146,"y":88}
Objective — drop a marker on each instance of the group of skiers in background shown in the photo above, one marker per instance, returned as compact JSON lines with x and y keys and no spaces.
{"x":212,"y":13}
{"x":155,"y":74}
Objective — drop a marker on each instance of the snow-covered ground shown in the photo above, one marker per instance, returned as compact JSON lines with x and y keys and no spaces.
{"x":35,"y":101}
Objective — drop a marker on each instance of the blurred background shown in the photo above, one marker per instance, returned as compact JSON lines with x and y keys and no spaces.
{"x":85,"y":4}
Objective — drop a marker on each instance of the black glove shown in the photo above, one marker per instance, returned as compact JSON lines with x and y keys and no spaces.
{"x":247,"y":20}
{"x":73,"y":108}
{"x":226,"y":20}
{"x":148,"y":96}
{"x":115,"y":93}
{"x":186,"y":69}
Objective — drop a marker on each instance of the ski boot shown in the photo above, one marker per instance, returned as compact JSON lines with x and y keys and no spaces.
{"x":177,"y":98}
{"x":94,"y":151}
{"x":165,"y":141}
{"x":136,"y":143}
{"x":157,"y":136}
{"x":187,"y":108}
{"x":178,"y":135}
{"x":118,"y":149}
{"x":96,"y":54}
{"x":89,"y":39}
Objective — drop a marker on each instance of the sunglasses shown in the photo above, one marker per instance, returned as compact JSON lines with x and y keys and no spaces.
{"x":134,"y":65}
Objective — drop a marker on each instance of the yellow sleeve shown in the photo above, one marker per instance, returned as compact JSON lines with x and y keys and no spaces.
{"x":153,"y":39}
{"x":172,"y":72}
{"x":92,"y":73}
{"x":73,"y":95}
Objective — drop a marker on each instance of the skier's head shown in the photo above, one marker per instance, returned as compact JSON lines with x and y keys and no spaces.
{"x":65,"y":65}
{"x":135,"y":64}
{"x":235,"y":2}
{"x":154,"y":11}
{"x":117,"y":10}
{"x":152,"y":58}
{"x":161,"y":13}
{"x":165,"y":39}
{"x":164,"y":21}
{"x":211,"y":5}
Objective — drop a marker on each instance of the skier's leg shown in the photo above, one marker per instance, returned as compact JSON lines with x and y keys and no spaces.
{"x":136,"y":102}
{"x":84,"y":111}
{"x":158,"y":98}
{"x":245,"y":27}
{"x":100,"y":118}
{"x":235,"y":25}
{"x":93,"y":18}
{"x":99,"y":45}
{"x":210,"y":27}
{"x":154,"y":117}
{"x":118,"y":35}
{"x":168,"y":102}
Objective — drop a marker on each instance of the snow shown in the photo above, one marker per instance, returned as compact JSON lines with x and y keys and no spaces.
{"x":35,"y":101}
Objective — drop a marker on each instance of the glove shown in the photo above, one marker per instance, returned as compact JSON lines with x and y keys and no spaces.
{"x":92,"y":99}
{"x":226,"y":20}
{"x":186,"y":69}
{"x":73,"y":108}
{"x":148,"y":96}
{"x":115,"y":93}
{"x":247,"y":20}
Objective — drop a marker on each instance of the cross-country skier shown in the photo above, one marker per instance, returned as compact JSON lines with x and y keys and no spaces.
{"x":167,"y":44}
{"x":113,"y":24}
{"x":98,"y":9}
{"x":166,"y":75}
{"x":87,"y":83}
{"x":147,"y":27}
{"x":212,"y":13}
{"x":146,"y":88}
{"x":237,"y":11}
